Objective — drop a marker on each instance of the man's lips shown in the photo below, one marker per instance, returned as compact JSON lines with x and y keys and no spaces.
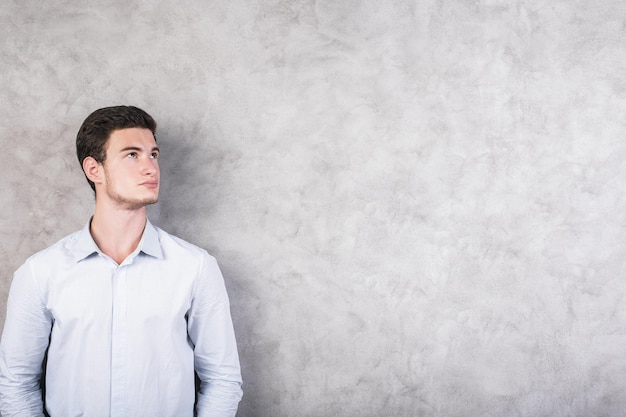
{"x":150,"y":184}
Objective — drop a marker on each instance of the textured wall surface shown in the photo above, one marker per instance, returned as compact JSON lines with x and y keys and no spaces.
{"x":418,"y":206}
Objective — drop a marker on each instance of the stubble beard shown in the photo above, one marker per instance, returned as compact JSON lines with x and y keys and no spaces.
{"x":130,"y":204}
{"x":126,"y":202}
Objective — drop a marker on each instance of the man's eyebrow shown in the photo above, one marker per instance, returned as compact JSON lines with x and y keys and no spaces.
{"x":137,"y":148}
{"x":130,"y":148}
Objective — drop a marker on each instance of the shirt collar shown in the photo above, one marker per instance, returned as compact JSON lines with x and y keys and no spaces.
{"x":149,"y":243}
{"x":85,"y":245}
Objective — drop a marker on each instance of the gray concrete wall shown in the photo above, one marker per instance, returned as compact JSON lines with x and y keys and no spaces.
{"x":418,"y":206}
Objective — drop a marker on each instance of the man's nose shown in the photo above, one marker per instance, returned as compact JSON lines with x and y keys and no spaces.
{"x":149,"y":166}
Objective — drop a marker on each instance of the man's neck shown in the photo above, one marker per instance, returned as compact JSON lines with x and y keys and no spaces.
{"x":117,"y":232}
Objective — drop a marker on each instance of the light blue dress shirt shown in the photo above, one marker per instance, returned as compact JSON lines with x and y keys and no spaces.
{"x":122,"y":340}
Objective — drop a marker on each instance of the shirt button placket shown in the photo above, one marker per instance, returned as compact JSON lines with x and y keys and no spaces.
{"x":118,"y":344}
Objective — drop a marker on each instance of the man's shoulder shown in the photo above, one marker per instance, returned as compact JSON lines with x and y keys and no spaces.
{"x":59,"y":250}
{"x":56,"y":256}
{"x":173,"y":243}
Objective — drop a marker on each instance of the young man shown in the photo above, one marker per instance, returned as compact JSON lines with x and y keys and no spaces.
{"x":122,"y":312}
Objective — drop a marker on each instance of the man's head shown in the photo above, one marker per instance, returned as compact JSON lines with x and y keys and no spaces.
{"x":97,"y":128}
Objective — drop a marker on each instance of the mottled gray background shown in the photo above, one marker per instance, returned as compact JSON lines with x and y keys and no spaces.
{"x":418,"y":206}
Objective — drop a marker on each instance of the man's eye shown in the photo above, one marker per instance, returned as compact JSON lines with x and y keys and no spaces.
{"x":154,"y":155}
{"x":132,"y":155}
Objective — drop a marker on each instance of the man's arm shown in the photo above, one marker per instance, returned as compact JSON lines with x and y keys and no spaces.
{"x":215,"y":353}
{"x":24,"y":342}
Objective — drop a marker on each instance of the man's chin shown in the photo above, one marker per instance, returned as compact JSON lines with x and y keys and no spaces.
{"x":150,"y":202}
{"x":139,"y":204}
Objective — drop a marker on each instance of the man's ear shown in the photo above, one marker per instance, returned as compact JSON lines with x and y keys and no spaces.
{"x":93,"y":170}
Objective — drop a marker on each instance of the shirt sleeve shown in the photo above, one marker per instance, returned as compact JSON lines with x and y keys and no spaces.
{"x":216,"y":359}
{"x":24,"y":342}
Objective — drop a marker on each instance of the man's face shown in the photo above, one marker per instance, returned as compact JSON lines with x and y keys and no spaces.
{"x":131,"y":169}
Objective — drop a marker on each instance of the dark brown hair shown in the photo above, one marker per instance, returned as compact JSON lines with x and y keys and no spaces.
{"x":97,"y":128}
